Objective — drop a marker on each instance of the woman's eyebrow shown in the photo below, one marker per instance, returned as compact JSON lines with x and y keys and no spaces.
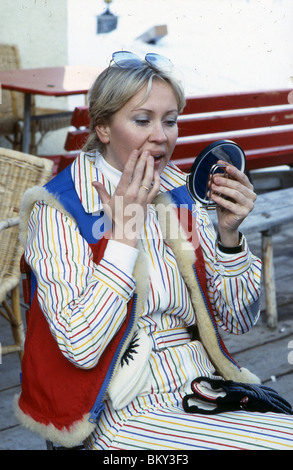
{"x":175,"y":110}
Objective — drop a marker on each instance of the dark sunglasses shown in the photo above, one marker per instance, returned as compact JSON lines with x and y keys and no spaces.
{"x":128,"y":60}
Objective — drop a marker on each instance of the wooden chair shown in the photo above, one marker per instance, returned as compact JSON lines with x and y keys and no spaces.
{"x":47,"y":119}
{"x":18,"y":172}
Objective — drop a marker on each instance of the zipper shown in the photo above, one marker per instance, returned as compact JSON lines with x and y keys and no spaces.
{"x":99,"y":403}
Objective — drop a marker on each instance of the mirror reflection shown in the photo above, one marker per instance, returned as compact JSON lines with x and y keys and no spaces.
{"x":212,"y":160}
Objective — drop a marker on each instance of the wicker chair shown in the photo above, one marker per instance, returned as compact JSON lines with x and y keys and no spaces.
{"x":9,"y":122}
{"x":18,"y":172}
{"x":12,"y":108}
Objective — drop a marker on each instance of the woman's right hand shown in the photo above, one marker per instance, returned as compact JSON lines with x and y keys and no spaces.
{"x":127,"y":208}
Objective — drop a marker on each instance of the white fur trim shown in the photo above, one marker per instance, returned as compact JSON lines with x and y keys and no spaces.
{"x":71,"y":437}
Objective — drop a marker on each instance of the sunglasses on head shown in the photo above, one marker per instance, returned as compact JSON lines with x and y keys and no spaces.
{"x":128,"y":60}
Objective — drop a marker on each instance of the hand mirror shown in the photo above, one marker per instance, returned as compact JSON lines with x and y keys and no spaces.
{"x":207,"y":164}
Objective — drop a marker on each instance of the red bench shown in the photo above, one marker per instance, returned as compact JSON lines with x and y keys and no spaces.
{"x":260,"y":122}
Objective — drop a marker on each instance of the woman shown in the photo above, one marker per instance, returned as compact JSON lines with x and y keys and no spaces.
{"x":132,"y":283}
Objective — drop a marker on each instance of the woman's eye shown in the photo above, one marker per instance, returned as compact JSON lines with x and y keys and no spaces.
{"x":145,"y":121}
{"x":142,"y":121}
{"x":171,"y":122}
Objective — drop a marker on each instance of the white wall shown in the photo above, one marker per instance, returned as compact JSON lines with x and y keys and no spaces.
{"x":216,"y":45}
{"x":39,"y":29}
{"x":219,"y":45}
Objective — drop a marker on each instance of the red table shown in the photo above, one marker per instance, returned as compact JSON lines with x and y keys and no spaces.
{"x":47,"y":81}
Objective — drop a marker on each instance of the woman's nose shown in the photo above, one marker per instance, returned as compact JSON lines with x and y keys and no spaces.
{"x":158,"y":133}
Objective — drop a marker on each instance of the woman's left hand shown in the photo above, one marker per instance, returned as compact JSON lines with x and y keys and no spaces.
{"x":235,"y":197}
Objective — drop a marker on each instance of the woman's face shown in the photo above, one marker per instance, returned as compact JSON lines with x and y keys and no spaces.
{"x":149,"y":125}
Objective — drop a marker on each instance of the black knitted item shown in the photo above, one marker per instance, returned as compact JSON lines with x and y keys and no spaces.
{"x":217,"y":396}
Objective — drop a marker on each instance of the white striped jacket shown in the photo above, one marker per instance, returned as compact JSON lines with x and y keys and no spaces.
{"x":86,"y":303}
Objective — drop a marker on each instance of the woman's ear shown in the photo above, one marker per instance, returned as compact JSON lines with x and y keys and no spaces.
{"x":103,"y":133}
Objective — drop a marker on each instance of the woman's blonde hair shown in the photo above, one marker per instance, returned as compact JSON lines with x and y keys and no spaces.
{"x":114,"y":87}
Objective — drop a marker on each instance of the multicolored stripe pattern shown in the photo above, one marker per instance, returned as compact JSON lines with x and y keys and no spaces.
{"x":167,"y":427}
{"x":85,"y":304}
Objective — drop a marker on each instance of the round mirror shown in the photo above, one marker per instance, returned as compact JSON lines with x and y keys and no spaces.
{"x":210,"y":161}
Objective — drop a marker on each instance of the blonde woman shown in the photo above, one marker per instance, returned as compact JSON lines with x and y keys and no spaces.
{"x":132,"y":285}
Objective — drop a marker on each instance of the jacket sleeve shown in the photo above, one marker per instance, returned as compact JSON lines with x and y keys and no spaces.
{"x":85,"y":303}
{"x":233,"y":280}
